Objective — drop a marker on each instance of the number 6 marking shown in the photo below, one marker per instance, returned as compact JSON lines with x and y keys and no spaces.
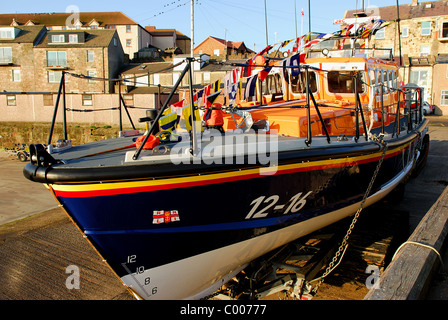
{"x":297,"y":202}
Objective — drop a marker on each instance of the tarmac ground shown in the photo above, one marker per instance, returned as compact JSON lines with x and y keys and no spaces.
{"x":40,"y":248}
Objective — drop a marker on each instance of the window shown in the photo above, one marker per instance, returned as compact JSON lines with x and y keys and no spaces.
{"x":384,"y":81}
{"x":424,"y":51}
{"x":342,"y":82}
{"x":47,"y":100}
{"x":128,"y":100}
{"x":56,"y":59}
{"x":7,"y":33}
{"x":426,"y":28}
{"x":216,"y":52}
{"x":206,"y":77}
{"x":175,"y":77}
{"x":128,"y":29}
{"x":444,"y":30}
{"x":419,"y":77}
{"x":444,"y":98}
{"x":57,"y":38}
{"x":10,"y":100}
{"x":5,"y":55}
{"x":372,"y":78}
{"x":298,"y":83}
{"x":87,"y":100}
{"x":380,"y":34}
{"x":128,"y":42}
{"x":394,"y":80}
{"x":54,"y":76}
{"x":156,"y":79}
{"x":91,"y":73}
{"x":90,"y":56}
{"x":16,"y":75}
{"x":115,"y":42}
{"x":272,"y":84}
{"x":73,"y":38}
{"x":405,"y":31}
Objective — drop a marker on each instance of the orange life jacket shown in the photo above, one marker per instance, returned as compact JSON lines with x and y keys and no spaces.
{"x":214,"y":116}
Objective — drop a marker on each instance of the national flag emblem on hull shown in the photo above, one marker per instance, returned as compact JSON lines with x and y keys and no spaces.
{"x":166,"y":216}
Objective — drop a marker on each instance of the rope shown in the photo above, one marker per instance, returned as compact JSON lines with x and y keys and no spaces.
{"x":419,"y":244}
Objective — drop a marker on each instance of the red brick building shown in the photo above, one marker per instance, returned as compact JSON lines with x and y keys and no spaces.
{"x":221,"y":49}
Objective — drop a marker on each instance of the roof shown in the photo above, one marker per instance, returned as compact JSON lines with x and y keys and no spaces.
{"x":407,"y":11}
{"x":230,"y":44}
{"x":151,"y":67}
{"x":165,"y":32}
{"x":27,"y":34}
{"x":59,"y":19}
{"x":94,"y":38}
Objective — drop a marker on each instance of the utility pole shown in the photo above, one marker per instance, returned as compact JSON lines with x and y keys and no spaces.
{"x":399,"y":33}
{"x":266,"y":22}
{"x":309,"y":17}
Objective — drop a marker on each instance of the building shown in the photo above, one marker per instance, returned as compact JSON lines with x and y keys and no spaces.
{"x":165,"y":39}
{"x":424,"y":44}
{"x":32,"y":60}
{"x":17,"y":70}
{"x":221,"y":49}
{"x":133,"y":37}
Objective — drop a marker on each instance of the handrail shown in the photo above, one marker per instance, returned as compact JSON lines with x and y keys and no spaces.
{"x":159,"y":115}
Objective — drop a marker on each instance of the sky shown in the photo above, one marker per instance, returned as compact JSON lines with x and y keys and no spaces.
{"x":234,"y":20}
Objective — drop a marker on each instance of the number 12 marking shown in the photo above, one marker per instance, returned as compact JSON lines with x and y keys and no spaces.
{"x":296,"y":203}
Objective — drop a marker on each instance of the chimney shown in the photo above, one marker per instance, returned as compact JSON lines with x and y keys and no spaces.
{"x":414,"y":3}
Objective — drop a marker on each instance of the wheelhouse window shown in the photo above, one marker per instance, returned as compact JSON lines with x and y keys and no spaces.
{"x":298,"y":83}
{"x":272,"y":84}
{"x":344,"y":82}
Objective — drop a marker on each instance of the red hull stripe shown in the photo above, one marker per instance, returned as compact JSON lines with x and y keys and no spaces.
{"x":108,"y":189}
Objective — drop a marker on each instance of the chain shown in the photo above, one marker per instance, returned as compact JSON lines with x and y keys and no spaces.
{"x":337,"y":258}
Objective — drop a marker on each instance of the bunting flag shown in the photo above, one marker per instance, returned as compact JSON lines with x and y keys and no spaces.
{"x":168,"y":122}
{"x":251,"y":86}
{"x":186,"y":113}
{"x":232,"y":94}
{"x":177,"y":107}
{"x":215,"y":86}
{"x":345,"y":32}
{"x":285,"y":43}
{"x":264,"y":73}
{"x":293,"y":63}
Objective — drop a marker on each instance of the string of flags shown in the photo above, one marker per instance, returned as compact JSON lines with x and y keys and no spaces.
{"x":232,"y":82}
